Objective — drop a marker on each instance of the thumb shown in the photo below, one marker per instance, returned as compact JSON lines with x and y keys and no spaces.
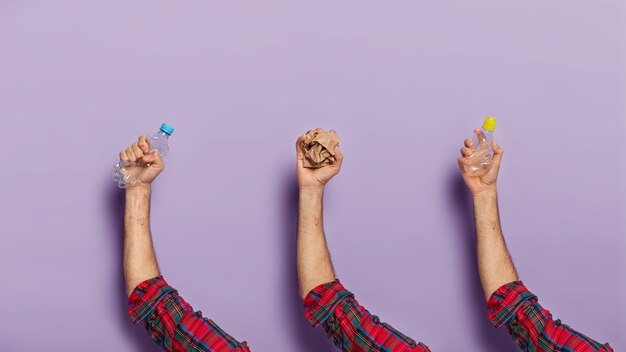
{"x":498,"y":152}
{"x":338,"y":154}
{"x":153,"y":157}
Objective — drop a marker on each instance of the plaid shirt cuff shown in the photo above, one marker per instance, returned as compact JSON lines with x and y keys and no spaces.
{"x":320,"y":303}
{"x":505,"y":302}
{"x":146,"y":296}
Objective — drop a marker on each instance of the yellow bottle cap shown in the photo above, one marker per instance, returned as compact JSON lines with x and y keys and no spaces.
{"x":490,"y":123}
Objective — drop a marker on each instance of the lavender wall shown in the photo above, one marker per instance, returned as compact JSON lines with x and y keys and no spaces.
{"x":403,"y":83}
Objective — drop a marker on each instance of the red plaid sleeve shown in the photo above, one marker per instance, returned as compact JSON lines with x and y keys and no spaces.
{"x":350,"y":326}
{"x":172,"y":323}
{"x":532,"y":326}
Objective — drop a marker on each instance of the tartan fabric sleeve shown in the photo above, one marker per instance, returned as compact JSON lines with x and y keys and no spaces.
{"x":172,"y":323}
{"x":351,"y":327}
{"x":532,"y":326}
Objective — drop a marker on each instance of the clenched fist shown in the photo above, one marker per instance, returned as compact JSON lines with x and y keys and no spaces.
{"x":478,"y":184}
{"x":140,"y":163}
{"x":312,"y":178}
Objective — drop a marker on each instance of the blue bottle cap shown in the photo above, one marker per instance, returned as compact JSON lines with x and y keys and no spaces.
{"x":167,"y":129}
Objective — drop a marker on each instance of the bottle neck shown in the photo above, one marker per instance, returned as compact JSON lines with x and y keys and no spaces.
{"x":162,"y":134}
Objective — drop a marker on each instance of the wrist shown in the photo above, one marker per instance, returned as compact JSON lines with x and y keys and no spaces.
{"x":139,"y":189}
{"x":312,"y":189}
{"x":488,"y":193}
{"x":309,"y":194}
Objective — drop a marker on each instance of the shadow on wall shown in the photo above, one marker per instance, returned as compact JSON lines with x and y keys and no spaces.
{"x":307,"y":338}
{"x":491,"y":339}
{"x":136,"y":335}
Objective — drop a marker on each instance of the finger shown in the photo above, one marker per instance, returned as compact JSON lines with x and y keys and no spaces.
{"x":498,"y":152}
{"x":467,"y":152}
{"x":131,"y":154}
{"x":482,"y":139}
{"x":137,"y":150}
{"x":462,"y":163}
{"x":149,"y":157}
{"x":143,"y":144}
{"x":338,"y":154}
{"x":496,"y":148}
{"x":153,"y":158}
{"x":494,"y":168}
{"x":123,"y":155}
{"x":299,"y":141}
{"x":469,"y":143}
{"x":299,"y":151}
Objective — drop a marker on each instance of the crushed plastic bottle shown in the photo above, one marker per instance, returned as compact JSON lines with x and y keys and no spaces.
{"x":158,"y":141}
{"x":481,"y":159}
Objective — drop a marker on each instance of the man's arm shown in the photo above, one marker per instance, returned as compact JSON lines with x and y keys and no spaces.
{"x":510,"y":303}
{"x":495,"y":265}
{"x":170,"y":321}
{"x":326,"y":302}
{"x":314,"y":264}
{"x":139,"y":258}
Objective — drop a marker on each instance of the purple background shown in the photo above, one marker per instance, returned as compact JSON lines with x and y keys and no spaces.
{"x":403,"y":82}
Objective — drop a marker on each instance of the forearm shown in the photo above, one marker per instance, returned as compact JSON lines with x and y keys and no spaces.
{"x":495,"y":265}
{"x":139,"y":258}
{"x":314,"y":264}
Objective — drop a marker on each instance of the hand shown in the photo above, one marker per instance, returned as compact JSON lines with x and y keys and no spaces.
{"x":478,"y":184}
{"x":316,"y":178}
{"x":145,"y":164}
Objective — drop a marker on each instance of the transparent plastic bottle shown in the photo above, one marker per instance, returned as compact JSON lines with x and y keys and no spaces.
{"x":481,"y":160}
{"x":158,"y":141}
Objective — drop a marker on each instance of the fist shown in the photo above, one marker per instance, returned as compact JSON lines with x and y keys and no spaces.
{"x":478,"y":184}
{"x":311,"y":178}
{"x":140,"y":163}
